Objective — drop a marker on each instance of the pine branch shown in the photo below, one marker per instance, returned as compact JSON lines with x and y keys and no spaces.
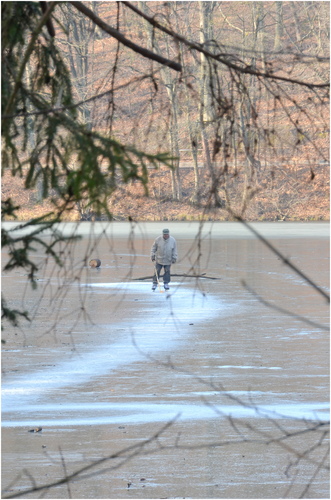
{"x":27,"y":55}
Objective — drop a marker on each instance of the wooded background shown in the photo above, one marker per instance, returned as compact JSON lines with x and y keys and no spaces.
{"x":235,"y":92}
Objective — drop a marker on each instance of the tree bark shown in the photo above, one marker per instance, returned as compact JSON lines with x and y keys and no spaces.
{"x":207,"y":116}
{"x":206,"y":35}
{"x":170,"y":84}
{"x":279,"y":26}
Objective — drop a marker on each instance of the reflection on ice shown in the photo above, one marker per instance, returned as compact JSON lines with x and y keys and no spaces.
{"x":239,"y":367}
{"x":125,"y":413}
{"x":153,"y":333}
{"x":155,"y":330}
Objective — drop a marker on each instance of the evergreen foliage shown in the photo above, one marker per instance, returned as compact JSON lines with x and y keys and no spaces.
{"x":43,"y":141}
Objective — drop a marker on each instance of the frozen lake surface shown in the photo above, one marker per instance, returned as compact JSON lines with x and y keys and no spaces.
{"x":107,"y":363}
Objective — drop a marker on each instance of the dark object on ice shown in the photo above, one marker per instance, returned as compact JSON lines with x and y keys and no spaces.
{"x":203,"y":275}
{"x":95,"y":263}
{"x":38,"y":429}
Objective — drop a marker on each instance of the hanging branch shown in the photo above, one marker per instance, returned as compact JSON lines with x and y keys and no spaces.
{"x":80,"y":103}
{"x":284,"y":311}
{"x":222,"y":58}
{"x":116,"y":34}
{"x":18,"y":79}
{"x":285,"y":261}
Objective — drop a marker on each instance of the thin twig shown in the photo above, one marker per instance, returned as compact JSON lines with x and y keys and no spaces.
{"x":84,"y":101}
{"x":65,"y":472}
{"x":132,"y":450}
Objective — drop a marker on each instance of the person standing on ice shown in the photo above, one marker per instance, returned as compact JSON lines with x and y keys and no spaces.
{"x":163,"y":254}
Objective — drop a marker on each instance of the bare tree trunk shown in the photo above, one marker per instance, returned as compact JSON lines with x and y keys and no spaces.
{"x":252,"y":165}
{"x":32,"y":145}
{"x":279,"y":26}
{"x":260,"y":30}
{"x":81,"y":33}
{"x":247,"y":111}
{"x":214,"y":191}
{"x":170,"y":84}
{"x":206,"y":35}
{"x":207,"y":117}
{"x":294,"y":7}
{"x":176,"y":185}
{"x":317,"y":14}
{"x":194,"y":148}
{"x":78,"y":46}
{"x":192,"y":128}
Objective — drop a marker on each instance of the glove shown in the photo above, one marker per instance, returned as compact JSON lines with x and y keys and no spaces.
{"x":173,"y":261}
{"x":153,"y":258}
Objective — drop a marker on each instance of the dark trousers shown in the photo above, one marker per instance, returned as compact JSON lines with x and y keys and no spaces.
{"x":166,"y":277}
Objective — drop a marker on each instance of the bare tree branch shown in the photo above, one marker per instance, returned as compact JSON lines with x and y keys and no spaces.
{"x":128,"y":452}
{"x":285,"y":261}
{"x":116,"y":34}
{"x":84,"y":101}
{"x":220,"y":57}
{"x":284,"y":311}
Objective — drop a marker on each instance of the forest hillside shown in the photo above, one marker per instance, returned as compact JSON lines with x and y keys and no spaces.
{"x":245,"y":120}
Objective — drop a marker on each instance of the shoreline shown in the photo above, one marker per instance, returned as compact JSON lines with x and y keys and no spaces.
{"x":187,"y":229}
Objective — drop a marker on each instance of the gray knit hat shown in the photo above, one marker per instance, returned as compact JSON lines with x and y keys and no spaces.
{"x":166,"y":231}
